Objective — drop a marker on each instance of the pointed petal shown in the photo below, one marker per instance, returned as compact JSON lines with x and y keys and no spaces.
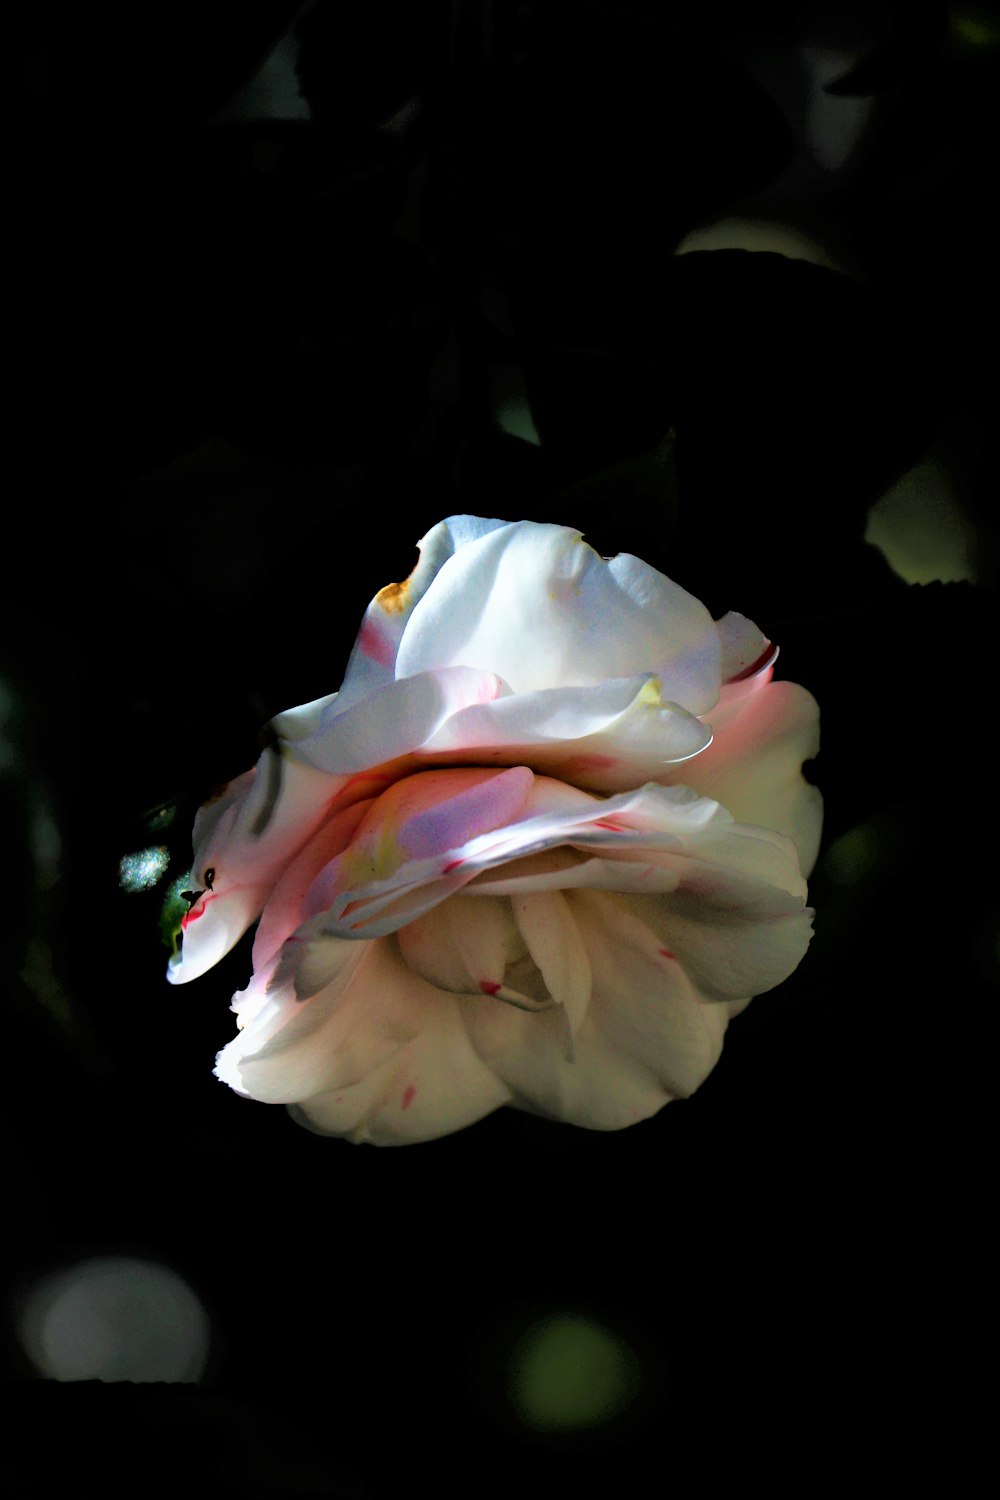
{"x":243,"y":841}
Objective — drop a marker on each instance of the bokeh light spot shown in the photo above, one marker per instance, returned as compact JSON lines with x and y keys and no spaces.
{"x":513,"y":414}
{"x":853,"y":856}
{"x":115,"y":1318}
{"x":922,"y":528}
{"x":138,"y":872}
{"x":974,"y":26}
{"x":569,"y":1373}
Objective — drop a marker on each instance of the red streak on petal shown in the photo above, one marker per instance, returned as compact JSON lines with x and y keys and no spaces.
{"x":490,"y":987}
{"x":374,"y":644}
{"x":198,"y":910}
{"x":609,"y":823}
{"x":579,"y":765}
{"x":666,"y":953}
{"x":765,"y":659}
{"x":409,"y":1095}
{"x":452,"y":866}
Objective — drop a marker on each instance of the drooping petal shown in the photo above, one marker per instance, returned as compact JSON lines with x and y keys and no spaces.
{"x":540,"y":608}
{"x":243,"y":841}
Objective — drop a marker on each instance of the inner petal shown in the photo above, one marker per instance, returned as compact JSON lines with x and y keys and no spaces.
{"x":464,"y":945}
{"x":549,"y":930}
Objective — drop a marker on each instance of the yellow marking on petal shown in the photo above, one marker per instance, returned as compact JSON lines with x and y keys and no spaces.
{"x":392,"y":599}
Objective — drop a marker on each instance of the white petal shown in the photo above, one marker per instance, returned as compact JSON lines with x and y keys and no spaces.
{"x":609,"y":737}
{"x":463,"y":946}
{"x":746,"y":651}
{"x":352,"y":737}
{"x":643,"y":1041}
{"x":372,"y":665}
{"x":537,"y":606}
{"x":554,"y":944}
{"x":754,"y":764}
{"x":243,"y":841}
{"x":382,"y":1056}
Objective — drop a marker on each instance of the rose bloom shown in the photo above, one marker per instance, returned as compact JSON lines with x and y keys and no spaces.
{"x":546,"y":840}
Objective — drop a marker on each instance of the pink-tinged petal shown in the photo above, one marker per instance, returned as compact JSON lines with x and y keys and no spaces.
{"x":380,"y":1055}
{"x":606,"y":738}
{"x":242,"y":842}
{"x":643,"y":1040}
{"x":746,"y":651}
{"x":537,"y":606}
{"x":372,"y":665}
{"x":350,"y":736}
{"x":282,"y":913}
{"x":649,"y":840}
{"x":754,"y":764}
{"x":423,"y":820}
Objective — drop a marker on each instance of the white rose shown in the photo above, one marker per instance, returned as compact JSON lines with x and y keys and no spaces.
{"x":547,"y":839}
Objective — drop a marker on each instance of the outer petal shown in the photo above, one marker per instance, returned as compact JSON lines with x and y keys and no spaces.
{"x":242,"y":841}
{"x":379,"y":1055}
{"x":372,"y":664}
{"x":763,"y":732}
{"x":540,"y":608}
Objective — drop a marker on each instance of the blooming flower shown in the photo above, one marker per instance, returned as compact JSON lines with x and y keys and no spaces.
{"x":547,"y":839}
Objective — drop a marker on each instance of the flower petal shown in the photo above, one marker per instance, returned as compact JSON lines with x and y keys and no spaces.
{"x":746,"y":651}
{"x":463,"y":946}
{"x":372,"y":664}
{"x":242,"y":842}
{"x":379,"y":1055}
{"x":537,"y":606}
{"x":608,"y":738}
{"x":643,"y":1041}
{"x":350,"y":737}
{"x":754,"y":764}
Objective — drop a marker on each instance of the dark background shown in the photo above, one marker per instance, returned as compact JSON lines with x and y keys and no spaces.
{"x":253,"y":361}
